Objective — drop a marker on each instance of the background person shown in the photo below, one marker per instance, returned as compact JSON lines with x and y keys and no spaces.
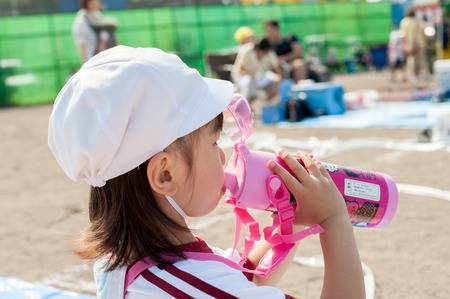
{"x":244,"y":35}
{"x":415,"y":44}
{"x":396,"y":54}
{"x":288,"y":50}
{"x":92,"y":31}
{"x":257,"y":69}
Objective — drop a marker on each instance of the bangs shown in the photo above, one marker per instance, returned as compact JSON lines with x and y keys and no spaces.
{"x":216,"y":125}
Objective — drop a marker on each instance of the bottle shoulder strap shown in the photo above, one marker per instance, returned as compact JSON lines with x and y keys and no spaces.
{"x":135,"y":270}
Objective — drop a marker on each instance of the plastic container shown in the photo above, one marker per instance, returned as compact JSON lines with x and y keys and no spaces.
{"x":442,"y":72}
{"x":323,"y":98}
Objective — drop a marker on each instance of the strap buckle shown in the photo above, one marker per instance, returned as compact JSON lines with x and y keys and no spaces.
{"x":280,"y":198}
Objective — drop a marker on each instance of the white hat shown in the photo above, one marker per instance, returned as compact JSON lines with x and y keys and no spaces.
{"x":126,"y":105}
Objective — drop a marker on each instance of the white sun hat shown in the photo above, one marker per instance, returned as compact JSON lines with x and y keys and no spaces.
{"x":126,"y":105}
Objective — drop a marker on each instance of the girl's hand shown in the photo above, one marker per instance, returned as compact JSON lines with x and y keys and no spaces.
{"x":318,"y":199}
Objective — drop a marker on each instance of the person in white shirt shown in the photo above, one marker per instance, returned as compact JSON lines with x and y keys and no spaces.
{"x":256,"y":69}
{"x":86,"y":33}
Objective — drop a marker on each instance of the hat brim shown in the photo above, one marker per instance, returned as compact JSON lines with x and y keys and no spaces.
{"x":215,"y":102}
{"x":222,"y":91}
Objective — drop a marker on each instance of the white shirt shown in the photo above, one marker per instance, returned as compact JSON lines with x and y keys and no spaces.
{"x":194,"y":278}
{"x":83,"y":34}
{"x":253,"y":66}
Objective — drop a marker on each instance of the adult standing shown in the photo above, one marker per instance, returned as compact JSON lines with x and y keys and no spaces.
{"x":415,"y":43}
{"x":92,"y":31}
{"x":288,"y":50}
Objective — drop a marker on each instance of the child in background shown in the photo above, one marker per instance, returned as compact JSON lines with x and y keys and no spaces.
{"x":256,"y":71}
{"x":244,"y":35}
{"x":141,"y":128}
{"x":396,"y":53}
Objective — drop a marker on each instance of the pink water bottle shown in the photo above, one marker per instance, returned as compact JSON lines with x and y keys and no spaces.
{"x":371,"y":197}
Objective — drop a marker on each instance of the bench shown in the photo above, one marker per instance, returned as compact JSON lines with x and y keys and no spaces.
{"x":220,"y":64}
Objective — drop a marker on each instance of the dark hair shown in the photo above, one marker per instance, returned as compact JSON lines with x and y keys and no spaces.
{"x":411,"y":13}
{"x":273,"y":23}
{"x":84,"y":3}
{"x":263,"y":45}
{"x":125,"y":219}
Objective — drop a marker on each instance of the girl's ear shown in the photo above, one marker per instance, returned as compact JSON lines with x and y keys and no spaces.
{"x":160,"y":174}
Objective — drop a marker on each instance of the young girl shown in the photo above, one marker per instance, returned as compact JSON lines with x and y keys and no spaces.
{"x":141,"y":128}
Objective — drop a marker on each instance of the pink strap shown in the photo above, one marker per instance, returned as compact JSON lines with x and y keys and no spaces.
{"x":204,"y":256}
{"x":280,"y":198}
{"x":292,"y":238}
{"x":142,"y":265}
{"x":283,"y":241}
{"x":278,"y":238}
{"x":262,"y":270}
{"x":244,"y":217}
{"x":135,"y":270}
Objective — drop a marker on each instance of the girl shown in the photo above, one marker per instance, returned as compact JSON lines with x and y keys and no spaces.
{"x":142,"y":128}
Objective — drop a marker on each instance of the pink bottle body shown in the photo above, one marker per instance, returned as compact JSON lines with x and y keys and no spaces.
{"x":371,"y":197}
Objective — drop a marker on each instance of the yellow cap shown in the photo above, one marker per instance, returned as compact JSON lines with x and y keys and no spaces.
{"x":243,"y":33}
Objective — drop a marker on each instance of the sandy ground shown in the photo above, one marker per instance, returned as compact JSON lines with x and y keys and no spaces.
{"x":41,"y":211}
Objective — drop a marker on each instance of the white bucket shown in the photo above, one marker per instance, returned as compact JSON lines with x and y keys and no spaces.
{"x":441,"y":118}
{"x":442,"y":73}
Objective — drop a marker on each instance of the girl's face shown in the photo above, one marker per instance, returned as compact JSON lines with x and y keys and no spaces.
{"x":94,"y":5}
{"x":206,"y":181}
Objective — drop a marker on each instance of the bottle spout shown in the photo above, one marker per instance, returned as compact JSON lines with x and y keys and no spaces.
{"x":231,"y":183}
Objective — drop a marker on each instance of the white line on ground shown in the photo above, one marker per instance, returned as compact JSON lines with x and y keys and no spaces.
{"x":327,"y":147}
{"x":424,"y":191}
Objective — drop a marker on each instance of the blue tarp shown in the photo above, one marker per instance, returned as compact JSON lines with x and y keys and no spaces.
{"x":384,"y":115}
{"x":12,"y":288}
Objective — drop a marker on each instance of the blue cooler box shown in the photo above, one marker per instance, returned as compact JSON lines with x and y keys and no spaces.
{"x":322,"y":98}
{"x":272,"y":114}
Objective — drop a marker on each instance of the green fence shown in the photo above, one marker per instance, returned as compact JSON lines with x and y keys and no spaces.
{"x":38,"y":54}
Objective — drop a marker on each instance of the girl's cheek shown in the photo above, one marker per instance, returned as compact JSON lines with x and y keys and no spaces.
{"x":222,"y":156}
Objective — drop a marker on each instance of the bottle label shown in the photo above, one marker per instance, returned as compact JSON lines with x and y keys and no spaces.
{"x":361,"y":189}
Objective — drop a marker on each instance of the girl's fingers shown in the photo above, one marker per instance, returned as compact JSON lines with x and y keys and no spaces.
{"x":291,"y":182}
{"x":324,"y":171}
{"x":295,"y":166}
{"x":311,"y":165}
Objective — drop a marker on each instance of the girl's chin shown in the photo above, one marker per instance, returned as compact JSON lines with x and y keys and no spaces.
{"x":216,"y":202}
{"x":211,"y":206}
